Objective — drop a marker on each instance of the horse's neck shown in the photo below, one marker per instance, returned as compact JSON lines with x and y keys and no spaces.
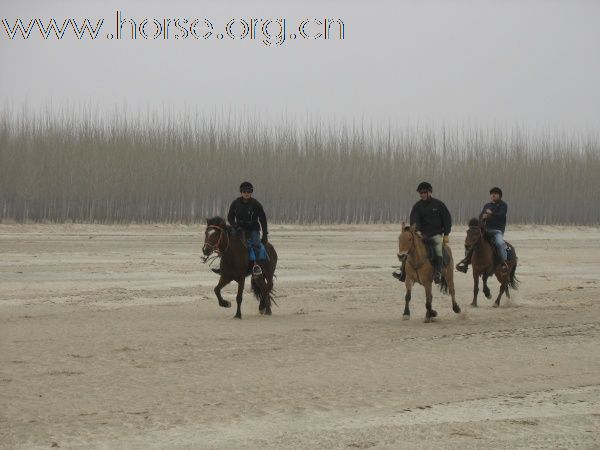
{"x":233,"y":248}
{"x":419,"y":252}
{"x":482,"y":248}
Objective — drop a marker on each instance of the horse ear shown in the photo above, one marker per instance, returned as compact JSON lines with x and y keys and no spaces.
{"x":413,"y":227}
{"x":402,"y":225}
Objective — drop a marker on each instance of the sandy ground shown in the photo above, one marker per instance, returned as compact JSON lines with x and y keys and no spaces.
{"x":110,"y":337}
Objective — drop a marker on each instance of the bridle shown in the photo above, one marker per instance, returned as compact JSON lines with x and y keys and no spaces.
{"x":215,"y":248}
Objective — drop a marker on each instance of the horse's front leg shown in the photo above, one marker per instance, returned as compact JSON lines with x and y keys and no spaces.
{"x":486,"y":289}
{"x":238,"y":297}
{"x":475,"y":287}
{"x":430,"y":313}
{"x":451,"y":290}
{"x":222,"y":283}
{"x":406,"y":314}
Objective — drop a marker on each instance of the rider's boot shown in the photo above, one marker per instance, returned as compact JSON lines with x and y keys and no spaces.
{"x":400,"y":274}
{"x":463,"y":266}
{"x":256,"y":270}
{"x":437,"y":275}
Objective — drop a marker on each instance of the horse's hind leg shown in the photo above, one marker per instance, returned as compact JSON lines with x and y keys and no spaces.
{"x":486,"y":289}
{"x":431,"y":313}
{"x":503,"y":288}
{"x":406,"y":314}
{"x":450,"y":281}
{"x":238,"y":298}
{"x":475,"y":288}
{"x":267,"y":295}
{"x":222,"y":302}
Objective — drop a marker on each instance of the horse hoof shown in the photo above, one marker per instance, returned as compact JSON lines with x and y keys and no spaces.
{"x":456,"y":309}
{"x":238,"y":316}
{"x":433,"y":313}
{"x":496,"y":305}
{"x":406,"y":317}
{"x":262,"y":311}
{"x":473,"y":305}
{"x":268,"y":312}
{"x":427,"y":320}
{"x":225,"y":304}
{"x":488,"y":295}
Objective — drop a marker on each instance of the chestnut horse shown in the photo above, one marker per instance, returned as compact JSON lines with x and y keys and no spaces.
{"x":420,"y":270}
{"x":484,"y":264}
{"x":233,"y":250}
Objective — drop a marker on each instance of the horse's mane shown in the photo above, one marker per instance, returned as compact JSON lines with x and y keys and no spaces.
{"x":219,"y":222}
{"x":474,"y":222}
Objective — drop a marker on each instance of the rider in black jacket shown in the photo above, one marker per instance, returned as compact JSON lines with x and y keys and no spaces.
{"x":247,"y":214}
{"x":432,"y":218}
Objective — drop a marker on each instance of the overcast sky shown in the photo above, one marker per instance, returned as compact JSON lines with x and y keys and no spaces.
{"x":491,"y":63}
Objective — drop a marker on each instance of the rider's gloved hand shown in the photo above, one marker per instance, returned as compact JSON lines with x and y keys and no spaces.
{"x":446,"y":239}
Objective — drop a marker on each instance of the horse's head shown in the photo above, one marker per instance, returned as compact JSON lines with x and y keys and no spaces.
{"x":406,"y":240}
{"x":214,"y":236}
{"x":474,"y":233}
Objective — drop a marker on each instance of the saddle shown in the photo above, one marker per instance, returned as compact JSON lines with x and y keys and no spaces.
{"x":431,"y":254}
{"x":510,"y":251}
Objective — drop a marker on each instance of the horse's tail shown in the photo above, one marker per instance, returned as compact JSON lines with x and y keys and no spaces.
{"x":259,"y":289}
{"x":513,"y":281}
{"x":444,"y":286}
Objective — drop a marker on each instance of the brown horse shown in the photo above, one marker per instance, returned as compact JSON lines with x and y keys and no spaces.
{"x":233,"y":250}
{"x":484,"y":264}
{"x":420,"y":270}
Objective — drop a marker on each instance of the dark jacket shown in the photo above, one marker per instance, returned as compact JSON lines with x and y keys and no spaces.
{"x":247,"y":215}
{"x":497,"y":220}
{"x":431,"y":217}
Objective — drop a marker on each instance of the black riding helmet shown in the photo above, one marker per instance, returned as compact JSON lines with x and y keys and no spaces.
{"x":496,"y":190}
{"x":246,"y":186}
{"x":424,"y":186}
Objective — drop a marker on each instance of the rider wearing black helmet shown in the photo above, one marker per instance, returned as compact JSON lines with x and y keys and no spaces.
{"x":494,"y":215}
{"x":433,"y":220}
{"x":247,"y":214}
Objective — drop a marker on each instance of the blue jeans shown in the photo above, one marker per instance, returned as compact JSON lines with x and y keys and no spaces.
{"x":255,"y":246}
{"x":498,"y":238}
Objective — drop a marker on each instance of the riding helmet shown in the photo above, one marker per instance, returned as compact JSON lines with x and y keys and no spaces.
{"x":246,"y":186}
{"x":424,"y":186}
{"x":496,"y":190}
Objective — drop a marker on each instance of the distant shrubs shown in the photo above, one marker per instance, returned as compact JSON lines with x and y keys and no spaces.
{"x":85,"y":169}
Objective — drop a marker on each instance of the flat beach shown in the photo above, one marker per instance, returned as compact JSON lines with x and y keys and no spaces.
{"x":111,"y":337}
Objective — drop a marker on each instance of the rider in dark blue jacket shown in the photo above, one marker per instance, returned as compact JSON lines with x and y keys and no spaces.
{"x":494,"y":217}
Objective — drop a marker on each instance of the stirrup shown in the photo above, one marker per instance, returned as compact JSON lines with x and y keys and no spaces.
{"x":256,"y":271}
{"x":399,"y":275}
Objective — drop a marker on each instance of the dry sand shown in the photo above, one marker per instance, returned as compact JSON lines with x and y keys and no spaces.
{"x":110,"y":337}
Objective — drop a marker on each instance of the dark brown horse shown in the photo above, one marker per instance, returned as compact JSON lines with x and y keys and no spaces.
{"x":420,"y":270}
{"x":485,"y":265}
{"x":233,"y":250}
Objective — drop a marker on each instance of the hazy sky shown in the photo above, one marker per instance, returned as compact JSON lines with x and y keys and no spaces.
{"x":501,"y":63}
